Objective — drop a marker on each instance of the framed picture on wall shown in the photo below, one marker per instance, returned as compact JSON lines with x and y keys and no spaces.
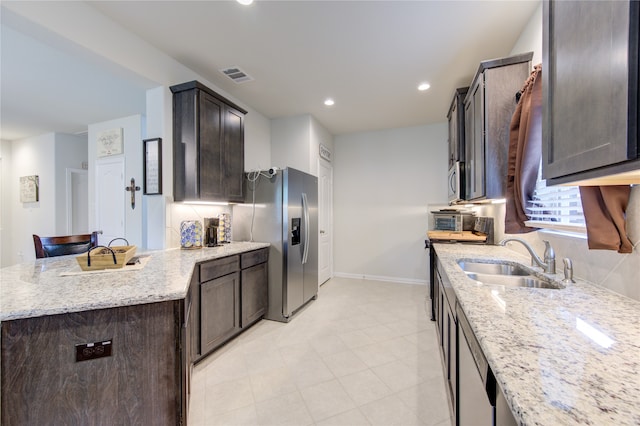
{"x":29,"y":189}
{"x":109,"y":142}
{"x":152,"y":166}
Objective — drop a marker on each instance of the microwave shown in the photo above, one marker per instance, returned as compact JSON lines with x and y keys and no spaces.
{"x":455,"y":190}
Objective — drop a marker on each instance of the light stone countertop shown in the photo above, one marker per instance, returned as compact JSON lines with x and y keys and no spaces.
{"x":551,"y":372}
{"x":36,"y":288}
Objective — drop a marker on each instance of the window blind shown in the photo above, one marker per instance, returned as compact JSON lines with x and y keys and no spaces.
{"x":555,"y":207}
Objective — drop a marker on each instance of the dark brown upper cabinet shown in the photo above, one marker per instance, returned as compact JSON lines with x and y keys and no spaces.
{"x":455,"y":117}
{"x":208,"y":145}
{"x":590,"y":90}
{"x":488,"y":108}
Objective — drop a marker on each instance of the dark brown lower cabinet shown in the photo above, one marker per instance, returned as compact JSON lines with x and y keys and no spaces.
{"x":220,"y":311}
{"x":254,"y":294}
{"x":232,"y":296}
{"x":140,"y":383}
{"x":446,"y":324}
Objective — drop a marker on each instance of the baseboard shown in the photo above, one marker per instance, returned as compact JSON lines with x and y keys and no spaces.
{"x":381,"y":278}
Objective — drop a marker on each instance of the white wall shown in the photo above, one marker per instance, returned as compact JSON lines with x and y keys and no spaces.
{"x":257,"y":142}
{"x":5,"y":202}
{"x":290,"y":139}
{"x":319,"y":136}
{"x":530,"y":39}
{"x":31,"y":156}
{"x":383,"y":182}
{"x":154,"y":206}
{"x":295,"y":142}
{"x":132,"y":130}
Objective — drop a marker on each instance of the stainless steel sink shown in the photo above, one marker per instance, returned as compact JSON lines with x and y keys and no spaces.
{"x":514,"y":280}
{"x":506,"y":274}
{"x":493,"y":268}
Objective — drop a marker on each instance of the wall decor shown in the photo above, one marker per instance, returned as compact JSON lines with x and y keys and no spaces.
{"x":152,"y":154}
{"x":29,"y":189}
{"x":325,"y":153}
{"x":109,"y":142}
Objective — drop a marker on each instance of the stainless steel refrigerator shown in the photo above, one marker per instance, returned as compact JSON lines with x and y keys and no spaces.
{"x":281,"y":208}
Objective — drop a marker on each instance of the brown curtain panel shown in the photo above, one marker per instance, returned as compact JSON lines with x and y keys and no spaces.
{"x":605,"y":215}
{"x":525,"y":150}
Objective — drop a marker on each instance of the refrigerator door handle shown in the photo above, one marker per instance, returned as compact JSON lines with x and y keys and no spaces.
{"x":305,"y":209}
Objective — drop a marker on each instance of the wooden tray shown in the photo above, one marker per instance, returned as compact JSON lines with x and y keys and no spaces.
{"x":101,"y":257}
{"x":458,"y":236}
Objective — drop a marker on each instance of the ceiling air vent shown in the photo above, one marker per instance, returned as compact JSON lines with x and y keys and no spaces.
{"x":236,"y":74}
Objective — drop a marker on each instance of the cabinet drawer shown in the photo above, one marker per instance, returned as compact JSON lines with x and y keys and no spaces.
{"x":219,"y":267}
{"x":255,"y":257}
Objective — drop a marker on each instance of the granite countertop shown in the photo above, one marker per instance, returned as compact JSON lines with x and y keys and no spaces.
{"x":538,"y":346}
{"x":36,"y":288}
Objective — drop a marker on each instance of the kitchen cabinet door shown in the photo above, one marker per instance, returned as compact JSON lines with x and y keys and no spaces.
{"x":474,"y":141}
{"x":437,"y":306}
{"x":219,"y":311}
{"x":489,"y":107}
{"x":455,"y":118}
{"x":233,"y":149}
{"x":448,"y":340}
{"x":254,"y":293}
{"x":451,"y":366}
{"x":211,"y":148}
{"x":590,"y":89}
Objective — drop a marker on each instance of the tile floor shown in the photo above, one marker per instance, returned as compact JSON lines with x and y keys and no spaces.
{"x":363,"y":353}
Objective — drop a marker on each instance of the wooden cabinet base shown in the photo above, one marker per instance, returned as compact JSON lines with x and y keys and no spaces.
{"x":138,"y":384}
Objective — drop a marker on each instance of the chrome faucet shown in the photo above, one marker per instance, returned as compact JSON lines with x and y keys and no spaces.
{"x":549,"y":262}
{"x":568,"y":271}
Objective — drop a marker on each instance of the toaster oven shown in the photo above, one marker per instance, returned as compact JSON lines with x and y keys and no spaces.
{"x":453,"y":220}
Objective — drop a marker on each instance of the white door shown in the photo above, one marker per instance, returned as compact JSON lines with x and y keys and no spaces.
{"x":325,"y":221}
{"x":110,"y":199}
{"x":77,"y":201}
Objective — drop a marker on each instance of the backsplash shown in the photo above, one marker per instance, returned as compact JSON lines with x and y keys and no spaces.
{"x":177,"y":212}
{"x":606,"y":268}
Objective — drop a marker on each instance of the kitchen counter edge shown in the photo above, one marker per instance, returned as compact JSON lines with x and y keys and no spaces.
{"x":35,"y":289}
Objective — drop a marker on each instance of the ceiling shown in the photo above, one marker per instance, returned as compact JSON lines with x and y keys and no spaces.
{"x":369,"y":56}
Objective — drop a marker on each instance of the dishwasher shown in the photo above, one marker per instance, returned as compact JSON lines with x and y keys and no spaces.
{"x":476,"y":383}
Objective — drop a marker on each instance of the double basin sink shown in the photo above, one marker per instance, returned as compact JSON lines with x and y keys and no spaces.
{"x":506,"y":274}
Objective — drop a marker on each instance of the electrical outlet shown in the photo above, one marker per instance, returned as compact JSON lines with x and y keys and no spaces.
{"x":87,"y":351}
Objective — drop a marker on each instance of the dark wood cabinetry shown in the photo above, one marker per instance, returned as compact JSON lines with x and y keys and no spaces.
{"x":446,"y":325}
{"x":232,"y":296}
{"x":254,"y":286}
{"x":140,"y":382}
{"x":208,"y":145}
{"x":455,"y":118}
{"x":590,"y":89}
{"x":220,"y":314}
{"x":488,"y":108}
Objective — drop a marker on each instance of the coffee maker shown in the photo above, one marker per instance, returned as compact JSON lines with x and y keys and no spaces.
{"x":211,"y":231}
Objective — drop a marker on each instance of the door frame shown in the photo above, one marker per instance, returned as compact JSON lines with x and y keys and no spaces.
{"x":329,"y":210}
{"x":69,"y":172}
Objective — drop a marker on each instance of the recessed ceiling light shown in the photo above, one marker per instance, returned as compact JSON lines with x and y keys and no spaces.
{"x":423,"y":86}
{"x":245,"y":2}
{"x":329,"y":102}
